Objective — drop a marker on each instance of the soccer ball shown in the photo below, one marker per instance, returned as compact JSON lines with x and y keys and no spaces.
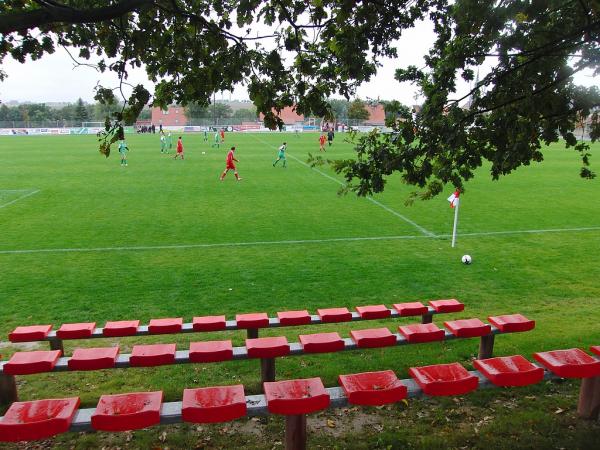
{"x":204,"y":153}
{"x":466,"y":259}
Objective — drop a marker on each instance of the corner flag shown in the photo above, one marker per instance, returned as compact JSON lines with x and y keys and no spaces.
{"x":453,"y":199}
{"x":454,"y":202}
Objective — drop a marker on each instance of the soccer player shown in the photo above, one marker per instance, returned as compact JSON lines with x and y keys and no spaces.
{"x":179,"y":148}
{"x":163,"y":142}
{"x":123,"y":152}
{"x":322,"y":142}
{"x":217,"y":140}
{"x":229,"y":165}
{"x":281,"y":154}
{"x":222,"y":135}
{"x":330,"y":136}
{"x":169,"y":142}
{"x":205,"y":135}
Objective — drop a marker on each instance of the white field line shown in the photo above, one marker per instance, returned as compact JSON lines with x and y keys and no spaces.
{"x":28,"y":194}
{"x":381,"y":205}
{"x":289,"y":242}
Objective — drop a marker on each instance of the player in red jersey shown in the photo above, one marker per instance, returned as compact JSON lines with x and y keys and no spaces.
{"x":229,"y":165}
{"x":179,"y":148}
{"x":222,"y":135}
{"x":322,"y":142}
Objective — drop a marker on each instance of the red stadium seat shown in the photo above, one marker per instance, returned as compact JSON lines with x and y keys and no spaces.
{"x":595,"y":349}
{"x":444,"y":379}
{"x":571,"y":363}
{"x":152,"y":355}
{"x":124,"y":412}
{"x":509,"y":371}
{"x":211,"y":351}
{"x":296,"y":396}
{"x":39,"y":419}
{"x":321,"y":342}
{"x":467,"y":328}
{"x":30,"y":333}
{"x":373,"y":312}
{"x":411,"y":309}
{"x":294,"y":317}
{"x":256,"y":320}
{"x":121,"y":328}
{"x":213,"y":404}
{"x":374,"y":337}
{"x":25,"y":363}
{"x":165,"y":326}
{"x":76,"y":330}
{"x":268,"y":347}
{"x":422,"y":332}
{"x":447,"y":306}
{"x":373,"y":388}
{"x":93,"y":358}
{"x":330,"y":315}
{"x":209,"y":323}
{"x":512,"y":323}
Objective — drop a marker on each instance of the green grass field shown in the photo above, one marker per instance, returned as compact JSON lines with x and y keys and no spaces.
{"x":83,"y":239}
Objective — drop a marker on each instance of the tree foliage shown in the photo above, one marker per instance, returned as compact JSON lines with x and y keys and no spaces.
{"x":311,"y":50}
{"x":526,"y":100}
{"x":357,"y":110}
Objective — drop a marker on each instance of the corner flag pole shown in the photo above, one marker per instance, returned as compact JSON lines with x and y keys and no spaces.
{"x":454,"y":202}
{"x":455,"y":222}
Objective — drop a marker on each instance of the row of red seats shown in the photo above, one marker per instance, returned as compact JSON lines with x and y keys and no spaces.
{"x":242,"y":321}
{"x":25,"y":421}
{"x":23,"y":363}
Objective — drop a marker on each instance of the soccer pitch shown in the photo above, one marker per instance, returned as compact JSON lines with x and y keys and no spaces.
{"x":84,"y":239}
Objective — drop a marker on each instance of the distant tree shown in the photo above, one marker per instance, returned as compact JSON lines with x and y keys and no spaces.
{"x":80,"y":113}
{"x":196,"y":111}
{"x":67,"y":112}
{"x":394,"y":109}
{"x":245,"y":114}
{"x":220,"y":110}
{"x":339,"y":108}
{"x":145,"y":114}
{"x":357,"y":110}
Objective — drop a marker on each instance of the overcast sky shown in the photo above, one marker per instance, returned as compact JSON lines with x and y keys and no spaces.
{"x":55,"y":79}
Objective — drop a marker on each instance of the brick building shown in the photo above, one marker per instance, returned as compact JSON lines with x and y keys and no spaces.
{"x":174,"y":116}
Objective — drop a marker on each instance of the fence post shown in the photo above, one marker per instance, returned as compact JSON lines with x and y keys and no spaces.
{"x":8,"y":389}
{"x":267,"y":369}
{"x":295,"y":432}
{"x":486,"y":346}
{"x":589,"y":398}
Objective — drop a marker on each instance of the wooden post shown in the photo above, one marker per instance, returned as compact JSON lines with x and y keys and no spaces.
{"x":427,"y":318}
{"x":8,"y":389}
{"x":486,"y":346}
{"x":295,"y":432}
{"x":589,"y":398}
{"x":57,"y":344}
{"x":267,"y":369}
{"x":252,"y":333}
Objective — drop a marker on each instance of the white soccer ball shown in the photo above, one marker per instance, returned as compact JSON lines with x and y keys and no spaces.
{"x":204,"y":153}
{"x":466,"y":259}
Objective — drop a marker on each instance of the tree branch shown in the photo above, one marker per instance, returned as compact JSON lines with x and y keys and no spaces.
{"x":11,"y":22}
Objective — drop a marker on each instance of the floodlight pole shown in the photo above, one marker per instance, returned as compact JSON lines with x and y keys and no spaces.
{"x":455,"y":222}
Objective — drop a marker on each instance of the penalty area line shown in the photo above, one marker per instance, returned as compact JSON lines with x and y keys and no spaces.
{"x":29,"y":194}
{"x":291,"y":242}
{"x":371,"y":199}
{"x":208,"y":245}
